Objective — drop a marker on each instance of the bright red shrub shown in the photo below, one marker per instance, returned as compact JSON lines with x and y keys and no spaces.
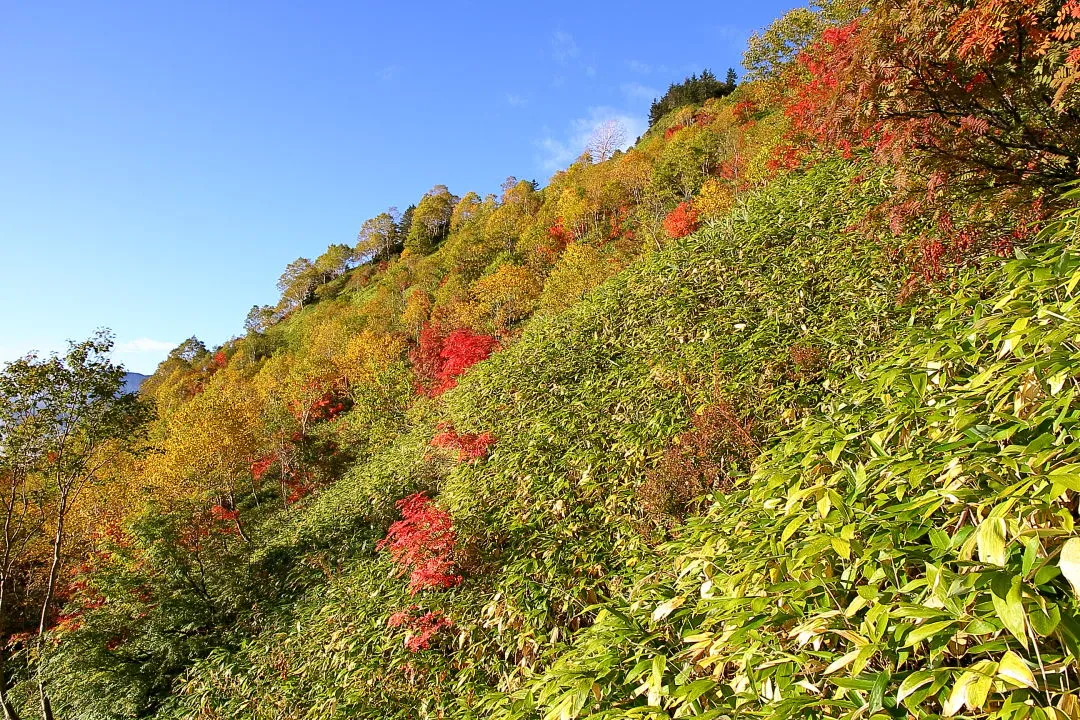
{"x":222,"y":514}
{"x":469,"y":446}
{"x":422,"y":544}
{"x":744,"y":111}
{"x":681,"y":221}
{"x":461,"y":350}
{"x":326,"y":407}
{"x":426,"y":357}
{"x":422,"y":627}
{"x":262,"y":465}
{"x":438,"y":360}
{"x":560,"y":234}
{"x":299,"y":486}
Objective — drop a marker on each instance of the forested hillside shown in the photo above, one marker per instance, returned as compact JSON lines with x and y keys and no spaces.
{"x":773,"y":414}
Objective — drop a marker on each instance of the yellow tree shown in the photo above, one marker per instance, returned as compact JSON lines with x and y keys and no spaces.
{"x":63,"y":420}
{"x":580,"y":269}
{"x":507,"y":296}
{"x":416,"y":312}
{"x":430,"y":220}
{"x":209,"y":446}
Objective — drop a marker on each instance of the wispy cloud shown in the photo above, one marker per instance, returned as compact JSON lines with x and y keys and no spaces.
{"x":516,"y":100}
{"x":639,"y":67}
{"x":558,"y":151}
{"x":636,"y":91}
{"x":563,"y":47}
{"x":144,"y":345}
{"x":570,"y":57}
{"x":733,"y":37}
{"x":142,"y":354}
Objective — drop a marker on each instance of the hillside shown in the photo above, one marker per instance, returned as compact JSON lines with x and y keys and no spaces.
{"x":771,"y":415}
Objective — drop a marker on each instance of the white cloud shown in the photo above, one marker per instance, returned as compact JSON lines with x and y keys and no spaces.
{"x":516,"y":100}
{"x":639,"y":67}
{"x":142,"y":354}
{"x":636,"y":91}
{"x":558,"y":152}
{"x":144,"y":345}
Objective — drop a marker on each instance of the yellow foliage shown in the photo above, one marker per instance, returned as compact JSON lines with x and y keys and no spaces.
{"x":714,"y":199}
{"x":506,"y":296}
{"x":416,"y":312}
{"x":210,"y":443}
{"x":580,"y":269}
{"x":367,"y":354}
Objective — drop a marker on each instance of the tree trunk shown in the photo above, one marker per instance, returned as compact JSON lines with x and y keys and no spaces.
{"x":9,"y":709}
{"x":46,"y":706}
{"x":54,"y":574}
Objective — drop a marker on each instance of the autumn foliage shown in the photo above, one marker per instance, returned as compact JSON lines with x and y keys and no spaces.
{"x":439,"y":359}
{"x":700,"y":461}
{"x":681,"y":221}
{"x":422,"y":544}
{"x":421,"y":626}
{"x":469,"y":446}
{"x":972,"y":100}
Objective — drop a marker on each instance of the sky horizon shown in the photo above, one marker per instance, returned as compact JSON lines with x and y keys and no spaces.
{"x":163,"y":164}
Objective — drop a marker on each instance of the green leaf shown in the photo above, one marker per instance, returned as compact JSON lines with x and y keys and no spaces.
{"x":842,"y":661}
{"x":792,"y":527}
{"x":991,"y":541}
{"x":1069,"y":562}
{"x":921,"y":632}
{"x":913,"y":682}
{"x":1006,"y":594}
{"x":1014,"y":669}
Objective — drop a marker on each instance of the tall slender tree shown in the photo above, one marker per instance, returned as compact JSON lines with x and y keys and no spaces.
{"x":66,"y":418}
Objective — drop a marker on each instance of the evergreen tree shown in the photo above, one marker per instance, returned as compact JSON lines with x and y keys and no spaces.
{"x":694,"y":90}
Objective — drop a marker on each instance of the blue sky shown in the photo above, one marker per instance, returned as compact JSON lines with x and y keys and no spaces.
{"x":161,"y":162}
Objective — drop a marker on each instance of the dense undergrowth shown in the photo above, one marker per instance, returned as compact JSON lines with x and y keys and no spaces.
{"x":741,"y":423}
{"x":556,"y":521}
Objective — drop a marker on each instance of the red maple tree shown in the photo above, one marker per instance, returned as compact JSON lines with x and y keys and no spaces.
{"x":681,"y":221}
{"x":422,"y":544}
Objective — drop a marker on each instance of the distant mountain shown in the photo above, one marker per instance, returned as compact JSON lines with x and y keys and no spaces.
{"x":133,"y":381}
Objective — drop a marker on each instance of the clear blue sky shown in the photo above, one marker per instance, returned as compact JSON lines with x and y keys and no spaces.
{"x":161,"y":162}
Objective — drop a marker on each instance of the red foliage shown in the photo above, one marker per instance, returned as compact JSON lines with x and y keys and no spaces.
{"x":426,"y":357}
{"x":681,"y":221}
{"x":973,"y":99}
{"x":469,"y":446}
{"x":438,"y":360}
{"x":222,"y":520}
{"x":326,"y":407}
{"x":560,"y":234}
{"x":461,"y":350}
{"x":219,"y":359}
{"x":222,"y":514}
{"x":260,"y":466}
{"x":299,"y":486}
{"x":422,"y":627}
{"x":744,"y":111}
{"x":930,"y":267}
{"x":422,"y":543}
{"x":620,"y":224}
